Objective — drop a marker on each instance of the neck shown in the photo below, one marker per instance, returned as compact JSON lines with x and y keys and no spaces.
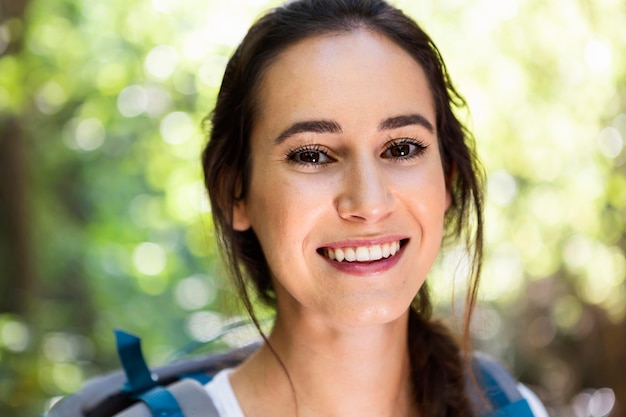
{"x":349,"y":371}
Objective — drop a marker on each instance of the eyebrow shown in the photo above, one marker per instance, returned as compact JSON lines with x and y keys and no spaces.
{"x":406,"y":120}
{"x":314,"y":126}
{"x":330,"y":126}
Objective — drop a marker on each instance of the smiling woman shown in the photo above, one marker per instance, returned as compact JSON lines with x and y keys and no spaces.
{"x":336,"y":168}
{"x":356,"y":169}
{"x":337,"y":171}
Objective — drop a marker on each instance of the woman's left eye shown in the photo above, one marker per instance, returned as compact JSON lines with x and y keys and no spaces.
{"x":404,"y":149}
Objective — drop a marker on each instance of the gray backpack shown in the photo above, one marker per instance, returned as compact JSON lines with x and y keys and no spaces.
{"x":176,"y":389}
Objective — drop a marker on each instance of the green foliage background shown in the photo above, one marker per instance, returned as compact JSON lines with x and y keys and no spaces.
{"x":104,"y":223}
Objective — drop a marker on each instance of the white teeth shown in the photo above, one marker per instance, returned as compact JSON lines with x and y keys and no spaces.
{"x":386,"y":251}
{"x":363,"y":253}
{"x":376,"y":252}
{"x":394,"y":248}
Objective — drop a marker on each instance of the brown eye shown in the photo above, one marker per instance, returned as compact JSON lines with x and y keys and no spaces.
{"x":404,"y":149}
{"x":400,"y":150}
{"x":309,"y":156}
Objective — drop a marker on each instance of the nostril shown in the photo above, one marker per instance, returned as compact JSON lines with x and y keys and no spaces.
{"x":360,"y":208}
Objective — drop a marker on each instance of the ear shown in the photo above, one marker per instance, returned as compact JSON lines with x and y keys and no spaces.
{"x":241,"y":222}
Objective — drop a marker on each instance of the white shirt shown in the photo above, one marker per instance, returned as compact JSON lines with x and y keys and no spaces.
{"x":225,"y":401}
{"x":223,"y":396}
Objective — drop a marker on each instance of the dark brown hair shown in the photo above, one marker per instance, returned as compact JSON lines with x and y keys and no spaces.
{"x":436,"y":359}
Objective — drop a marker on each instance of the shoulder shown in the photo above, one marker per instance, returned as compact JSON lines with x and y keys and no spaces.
{"x":136,"y":389}
{"x":222,"y":395}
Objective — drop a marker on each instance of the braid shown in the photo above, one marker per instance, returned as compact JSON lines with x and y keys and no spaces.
{"x":438,"y":372}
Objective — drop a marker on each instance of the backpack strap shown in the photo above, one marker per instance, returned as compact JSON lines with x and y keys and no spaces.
{"x":496,"y":395}
{"x":103,"y":396}
{"x":139,"y":379}
{"x":183,"y":398}
{"x":141,"y":384}
{"x":189,"y":393}
{"x":498,"y":388}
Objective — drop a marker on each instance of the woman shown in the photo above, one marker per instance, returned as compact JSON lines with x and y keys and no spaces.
{"x":335,"y":168}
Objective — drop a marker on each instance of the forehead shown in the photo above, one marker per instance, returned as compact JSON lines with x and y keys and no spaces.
{"x":357,"y":74}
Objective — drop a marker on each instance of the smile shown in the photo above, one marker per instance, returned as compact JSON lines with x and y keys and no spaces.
{"x":363,"y":253}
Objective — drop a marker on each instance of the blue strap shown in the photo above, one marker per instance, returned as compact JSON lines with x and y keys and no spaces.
{"x":500,"y":389}
{"x":140,"y":383}
{"x":139,"y":378}
{"x":492,"y":388}
{"x":519,"y":408}
{"x":161,"y":403}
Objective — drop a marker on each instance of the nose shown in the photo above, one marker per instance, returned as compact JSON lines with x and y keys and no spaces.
{"x":366,"y":195}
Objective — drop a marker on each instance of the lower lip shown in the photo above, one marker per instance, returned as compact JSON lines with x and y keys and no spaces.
{"x":367,"y":268}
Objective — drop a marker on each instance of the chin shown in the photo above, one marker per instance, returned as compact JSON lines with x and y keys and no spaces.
{"x":376,"y":315}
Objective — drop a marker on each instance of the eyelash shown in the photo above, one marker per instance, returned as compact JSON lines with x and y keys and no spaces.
{"x":291,"y":156}
{"x":421,"y":148}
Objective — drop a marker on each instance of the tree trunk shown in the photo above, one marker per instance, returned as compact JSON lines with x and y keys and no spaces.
{"x":17,"y":277}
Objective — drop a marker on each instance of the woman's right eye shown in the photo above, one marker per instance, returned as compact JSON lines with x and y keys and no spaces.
{"x":308,"y":155}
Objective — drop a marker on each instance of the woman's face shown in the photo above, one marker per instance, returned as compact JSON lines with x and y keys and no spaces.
{"x":347,"y":194}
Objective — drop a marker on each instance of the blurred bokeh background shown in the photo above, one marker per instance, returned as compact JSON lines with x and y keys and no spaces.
{"x":104,"y":224}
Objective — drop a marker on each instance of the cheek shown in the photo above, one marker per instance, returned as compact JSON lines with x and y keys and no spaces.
{"x":425,"y":189}
{"x":426,"y":203}
{"x":276,"y":210}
